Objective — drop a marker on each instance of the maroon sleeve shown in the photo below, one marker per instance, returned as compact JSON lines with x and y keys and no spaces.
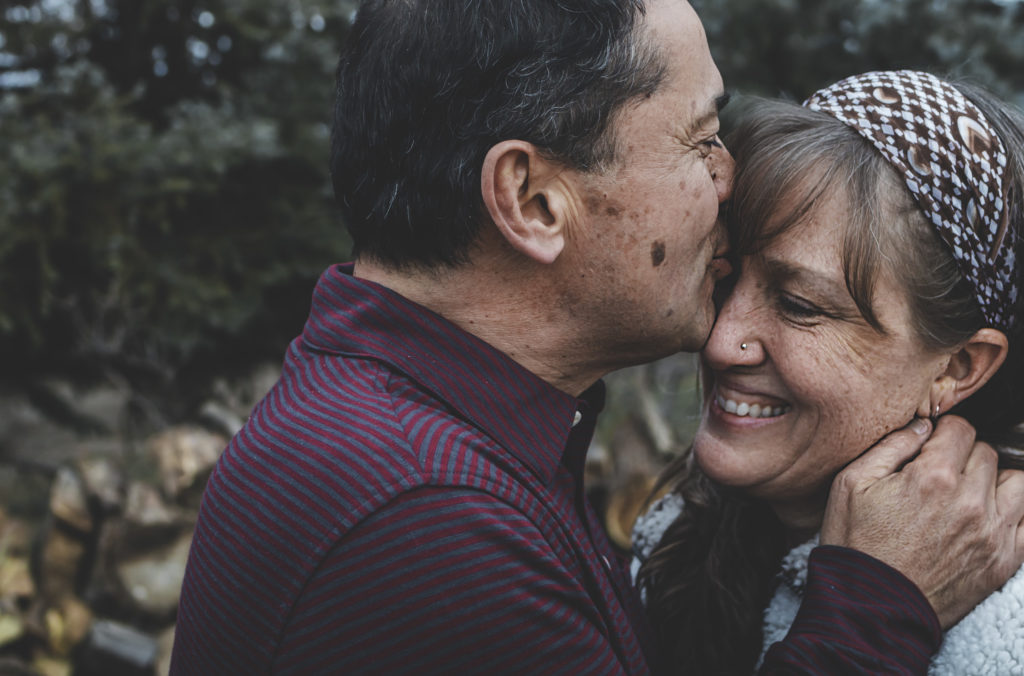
{"x":858,"y":616}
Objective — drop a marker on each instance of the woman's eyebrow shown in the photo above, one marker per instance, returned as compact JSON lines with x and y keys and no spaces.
{"x":826,"y":285}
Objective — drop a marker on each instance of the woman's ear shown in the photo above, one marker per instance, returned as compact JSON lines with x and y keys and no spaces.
{"x":522,"y":194}
{"x":968,"y":369}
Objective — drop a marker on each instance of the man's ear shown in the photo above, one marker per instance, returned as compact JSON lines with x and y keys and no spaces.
{"x":968,"y":369}
{"x":523,"y":196}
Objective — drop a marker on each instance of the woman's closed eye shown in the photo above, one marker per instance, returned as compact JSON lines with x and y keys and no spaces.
{"x":799,"y":310}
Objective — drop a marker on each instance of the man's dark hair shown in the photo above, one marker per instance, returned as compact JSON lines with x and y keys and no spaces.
{"x":427,"y":87}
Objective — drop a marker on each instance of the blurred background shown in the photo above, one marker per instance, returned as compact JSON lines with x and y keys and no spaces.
{"x":164,"y":213}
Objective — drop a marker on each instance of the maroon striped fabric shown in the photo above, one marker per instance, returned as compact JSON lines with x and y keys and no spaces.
{"x":409,"y":500}
{"x":858,"y":616}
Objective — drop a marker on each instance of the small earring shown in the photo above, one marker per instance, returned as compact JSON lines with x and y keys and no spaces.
{"x":743,"y":346}
{"x":936,"y":414}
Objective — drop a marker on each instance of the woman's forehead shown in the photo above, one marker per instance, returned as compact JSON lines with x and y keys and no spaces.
{"x":816,"y":198}
{"x":812,"y":243}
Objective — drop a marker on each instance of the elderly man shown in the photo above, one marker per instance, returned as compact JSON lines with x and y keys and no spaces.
{"x":532,"y":189}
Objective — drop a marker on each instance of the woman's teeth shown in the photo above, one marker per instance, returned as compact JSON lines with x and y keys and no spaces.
{"x":743,"y":409}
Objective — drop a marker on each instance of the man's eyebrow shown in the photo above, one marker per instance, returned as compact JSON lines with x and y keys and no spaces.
{"x":720,"y":102}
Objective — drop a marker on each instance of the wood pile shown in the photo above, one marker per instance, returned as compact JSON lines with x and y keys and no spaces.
{"x":93,"y":589}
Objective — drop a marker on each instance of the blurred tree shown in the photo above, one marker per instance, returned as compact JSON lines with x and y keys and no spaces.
{"x":792,"y":47}
{"x":164,"y":200}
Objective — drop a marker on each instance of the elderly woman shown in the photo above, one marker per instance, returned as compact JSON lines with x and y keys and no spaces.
{"x":878,"y":231}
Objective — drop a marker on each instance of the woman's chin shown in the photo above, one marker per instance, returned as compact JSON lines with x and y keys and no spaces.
{"x":722,"y":463}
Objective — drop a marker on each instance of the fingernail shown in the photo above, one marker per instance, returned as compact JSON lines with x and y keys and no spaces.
{"x":920,"y":425}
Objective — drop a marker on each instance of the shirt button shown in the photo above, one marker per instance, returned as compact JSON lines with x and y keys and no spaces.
{"x":577,"y":418}
{"x":607,"y":563}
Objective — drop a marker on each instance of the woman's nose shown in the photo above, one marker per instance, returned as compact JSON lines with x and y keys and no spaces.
{"x":735,"y":339}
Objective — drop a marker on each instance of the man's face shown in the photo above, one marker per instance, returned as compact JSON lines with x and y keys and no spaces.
{"x":647,"y":236}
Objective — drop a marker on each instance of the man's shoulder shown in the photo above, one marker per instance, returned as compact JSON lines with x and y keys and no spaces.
{"x":344,"y":446}
{"x":352,"y":433}
{"x":346,"y":385}
{"x":360,"y":405}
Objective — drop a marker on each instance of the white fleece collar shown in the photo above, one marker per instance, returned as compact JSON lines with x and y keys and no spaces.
{"x":988,"y":642}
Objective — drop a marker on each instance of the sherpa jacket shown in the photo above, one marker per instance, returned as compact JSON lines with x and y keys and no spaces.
{"x":988,"y":642}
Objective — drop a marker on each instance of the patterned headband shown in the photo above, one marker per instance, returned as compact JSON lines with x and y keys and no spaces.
{"x":953,"y":162}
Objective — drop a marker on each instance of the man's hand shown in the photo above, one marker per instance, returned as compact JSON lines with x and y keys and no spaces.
{"x":949,"y":519}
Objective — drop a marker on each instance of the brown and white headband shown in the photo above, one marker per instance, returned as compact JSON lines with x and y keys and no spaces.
{"x":953,"y":162}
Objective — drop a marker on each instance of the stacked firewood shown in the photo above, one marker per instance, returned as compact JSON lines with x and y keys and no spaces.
{"x":93,"y":589}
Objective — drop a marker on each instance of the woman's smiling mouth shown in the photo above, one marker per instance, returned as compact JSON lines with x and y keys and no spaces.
{"x":748,"y":404}
{"x":745,"y":409}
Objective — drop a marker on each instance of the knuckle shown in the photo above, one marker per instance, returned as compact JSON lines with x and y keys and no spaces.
{"x":942,"y":480}
{"x":957,"y":426}
{"x":847,"y":482}
{"x":986,"y":452}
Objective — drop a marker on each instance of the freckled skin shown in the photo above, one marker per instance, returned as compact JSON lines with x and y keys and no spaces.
{"x":847,"y":385}
{"x":665,"y":186}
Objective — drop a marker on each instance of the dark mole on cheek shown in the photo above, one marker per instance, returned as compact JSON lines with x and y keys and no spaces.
{"x":658,"y":253}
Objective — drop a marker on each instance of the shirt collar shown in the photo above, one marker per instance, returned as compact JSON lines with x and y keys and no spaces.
{"x":526,"y":415}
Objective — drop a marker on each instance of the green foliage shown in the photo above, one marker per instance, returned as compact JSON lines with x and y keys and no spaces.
{"x":793,"y":47}
{"x":164,"y":198}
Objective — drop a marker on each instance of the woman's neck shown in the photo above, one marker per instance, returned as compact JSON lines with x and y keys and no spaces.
{"x":801,"y":518}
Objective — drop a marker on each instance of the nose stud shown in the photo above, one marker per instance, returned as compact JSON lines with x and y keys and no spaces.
{"x":743,"y":346}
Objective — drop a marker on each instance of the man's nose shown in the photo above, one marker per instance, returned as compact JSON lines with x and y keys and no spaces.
{"x":723,"y":173}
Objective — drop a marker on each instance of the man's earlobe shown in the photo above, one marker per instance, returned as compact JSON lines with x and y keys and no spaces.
{"x":517,"y":187}
{"x":969,"y":368}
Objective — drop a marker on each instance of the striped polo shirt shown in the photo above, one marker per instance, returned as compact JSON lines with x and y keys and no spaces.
{"x":407,"y":499}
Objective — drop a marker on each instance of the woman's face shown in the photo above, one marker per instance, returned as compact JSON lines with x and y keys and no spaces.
{"x":816,"y":384}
